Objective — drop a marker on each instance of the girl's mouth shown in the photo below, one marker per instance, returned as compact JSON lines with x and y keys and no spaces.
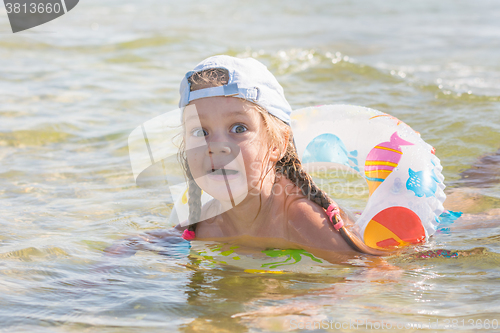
{"x":222,"y":174}
{"x":223,"y":171}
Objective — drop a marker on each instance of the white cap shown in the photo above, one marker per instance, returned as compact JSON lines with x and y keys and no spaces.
{"x":248,"y":79}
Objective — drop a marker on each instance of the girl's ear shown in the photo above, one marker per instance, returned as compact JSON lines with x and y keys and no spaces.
{"x":278,"y":151}
{"x":275,"y":155}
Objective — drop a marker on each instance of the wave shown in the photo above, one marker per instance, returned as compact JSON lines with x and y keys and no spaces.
{"x":319,"y":66}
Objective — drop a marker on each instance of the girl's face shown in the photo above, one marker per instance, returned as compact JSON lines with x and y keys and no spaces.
{"x":227,"y":147}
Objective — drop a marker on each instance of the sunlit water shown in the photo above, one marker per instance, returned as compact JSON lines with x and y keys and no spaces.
{"x":71,"y":91}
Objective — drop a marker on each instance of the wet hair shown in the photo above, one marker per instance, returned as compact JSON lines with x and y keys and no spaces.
{"x":289,"y":165}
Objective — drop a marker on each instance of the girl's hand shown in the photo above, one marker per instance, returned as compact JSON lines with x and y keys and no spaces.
{"x":156,"y":241}
{"x":125,"y":248}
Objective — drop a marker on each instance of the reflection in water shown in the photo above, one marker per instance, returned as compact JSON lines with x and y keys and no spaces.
{"x":225,"y":296}
{"x":228,"y":298}
{"x":485,"y":173}
{"x":477,"y":190}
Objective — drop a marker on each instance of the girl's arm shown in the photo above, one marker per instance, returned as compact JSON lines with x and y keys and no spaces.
{"x":150,"y":241}
{"x":309,"y":226}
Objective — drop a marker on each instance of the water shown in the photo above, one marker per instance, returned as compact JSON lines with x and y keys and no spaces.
{"x":72,"y":90}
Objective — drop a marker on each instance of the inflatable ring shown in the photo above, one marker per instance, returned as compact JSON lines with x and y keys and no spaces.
{"x":403,"y":174}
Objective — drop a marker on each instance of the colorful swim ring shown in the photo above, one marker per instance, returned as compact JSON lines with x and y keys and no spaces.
{"x":403,"y":174}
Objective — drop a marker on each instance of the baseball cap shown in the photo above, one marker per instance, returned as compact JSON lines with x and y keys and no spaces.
{"x":248,"y":79}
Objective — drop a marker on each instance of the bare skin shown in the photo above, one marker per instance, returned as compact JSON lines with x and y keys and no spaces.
{"x":285,"y":220}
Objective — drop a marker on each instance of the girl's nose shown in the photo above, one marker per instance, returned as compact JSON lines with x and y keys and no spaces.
{"x":219,"y":148}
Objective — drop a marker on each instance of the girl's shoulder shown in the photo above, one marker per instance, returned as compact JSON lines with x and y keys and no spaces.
{"x":302,"y":212}
{"x":308,"y":224}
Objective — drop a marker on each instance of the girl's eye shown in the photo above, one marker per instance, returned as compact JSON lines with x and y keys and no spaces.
{"x":199,"y":132}
{"x":238,"y":128}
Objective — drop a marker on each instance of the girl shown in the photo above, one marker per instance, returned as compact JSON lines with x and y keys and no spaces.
{"x":238,"y":147}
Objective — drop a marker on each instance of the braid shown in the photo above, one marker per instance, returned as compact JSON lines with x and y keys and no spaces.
{"x":194,"y":201}
{"x":204,"y":79}
{"x":194,"y":195}
{"x":291,"y":167}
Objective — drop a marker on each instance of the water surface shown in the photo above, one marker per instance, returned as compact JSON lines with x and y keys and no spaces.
{"x":71,"y":91}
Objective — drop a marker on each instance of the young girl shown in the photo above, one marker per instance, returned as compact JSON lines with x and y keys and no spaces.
{"x":238,"y":147}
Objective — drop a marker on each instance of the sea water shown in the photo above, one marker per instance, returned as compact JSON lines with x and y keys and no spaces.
{"x":72,"y":90}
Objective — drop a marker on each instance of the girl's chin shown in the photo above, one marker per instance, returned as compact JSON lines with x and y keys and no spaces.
{"x":236,"y":193}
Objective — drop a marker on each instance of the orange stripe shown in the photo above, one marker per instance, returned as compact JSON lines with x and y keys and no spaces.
{"x":385,"y":148}
{"x":372,"y":173}
{"x":381,"y":163}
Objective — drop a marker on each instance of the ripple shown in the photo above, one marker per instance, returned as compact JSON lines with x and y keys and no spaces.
{"x":46,"y":135}
{"x":456,"y":97}
{"x":33,"y":253}
{"x":147,"y":42}
{"x":319,"y":66}
{"x":476,"y":258}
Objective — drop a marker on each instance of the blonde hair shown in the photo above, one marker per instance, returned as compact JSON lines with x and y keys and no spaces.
{"x":288,"y":165}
